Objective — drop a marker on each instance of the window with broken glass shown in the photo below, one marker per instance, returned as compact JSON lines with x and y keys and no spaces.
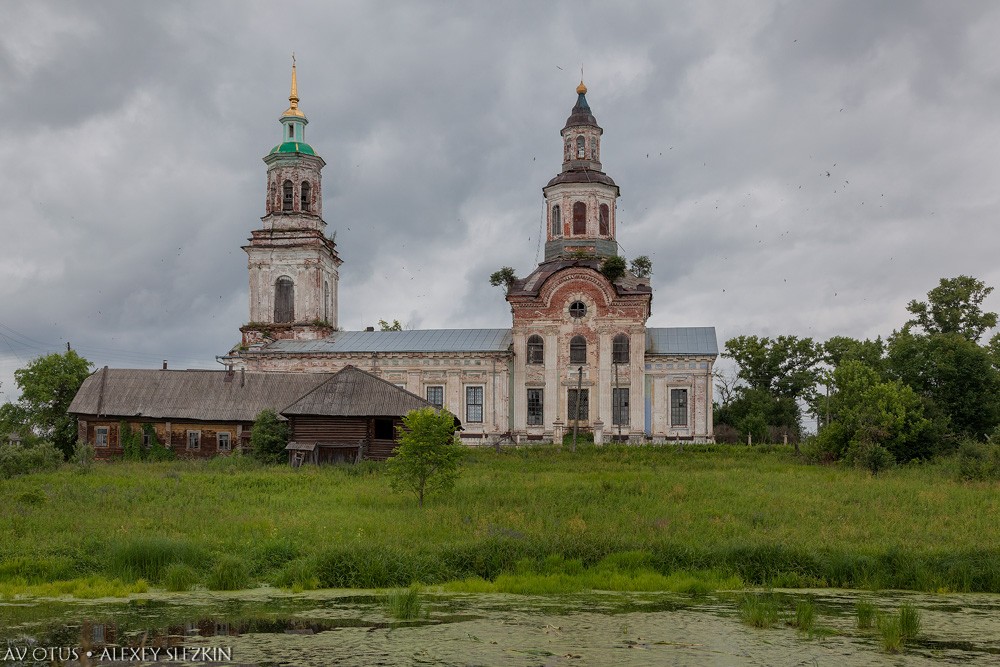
{"x":535,"y":404}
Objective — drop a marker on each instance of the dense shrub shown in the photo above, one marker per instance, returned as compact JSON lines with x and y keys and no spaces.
{"x":978,"y":460}
{"x":268,"y":438}
{"x":20,"y":460}
{"x":872,"y":457}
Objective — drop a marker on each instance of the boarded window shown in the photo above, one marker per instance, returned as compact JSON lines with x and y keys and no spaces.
{"x":605,"y":223}
{"x":556,"y":221}
{"x":284,"y":300}
{"x":535,"y":404}
{"x":620,"y":349}
{"x":536,"y":349}
{"x":678,"y":407}
{"x":581,"y":147}
{"x":578,"y":350}
{"x":474,"y":405}
{"x":579,"y":218}
{"x":435,"y":396}
{"x":304,"y":196}
{"x":384,"y":429}
{"x":619,"y":407}
{"x":571,"y":405}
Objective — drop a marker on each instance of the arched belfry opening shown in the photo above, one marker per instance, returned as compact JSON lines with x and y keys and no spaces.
{"x":284,"y":300}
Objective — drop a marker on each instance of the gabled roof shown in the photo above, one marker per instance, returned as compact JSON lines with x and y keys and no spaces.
{"x":682,"y":341}
{"x":192,"y":394}
{"x":413,"y":340}
{"x":352,"y":392}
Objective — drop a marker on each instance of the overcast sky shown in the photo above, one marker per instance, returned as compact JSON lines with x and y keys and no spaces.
{"x":790,"y":167}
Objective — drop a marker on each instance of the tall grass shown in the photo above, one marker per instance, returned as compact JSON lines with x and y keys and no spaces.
{"x":890,"y":633}
{"x":909,"y":622}
{"x":805,"y":615}
{"x":620,"y":517}
{"x":228,"y":574}
{"x":404,"y":604}
{"x":865,"y":612}
{"x":759,"y":611}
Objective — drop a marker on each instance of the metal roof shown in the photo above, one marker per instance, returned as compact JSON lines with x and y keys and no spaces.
{"x":353,"y":392}
{"x":193,"y":394}
{"x":414,"y":340}
{"x":681,"y":340}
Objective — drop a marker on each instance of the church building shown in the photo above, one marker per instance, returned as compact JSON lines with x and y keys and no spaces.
{"x":578,"y":352}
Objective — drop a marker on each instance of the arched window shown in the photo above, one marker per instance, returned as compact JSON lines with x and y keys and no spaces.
{"x":536,"y":349}
{"x":284,"y":300}
{"x":556,"y":221}
{"x":304,"y":196}
{"x":605,"y":226}
{"x":581,"y":147}
{"x":578,"y":350}
{"x":286,"y":200}
{"x":620,"y":349}
{"x":579,"y":218}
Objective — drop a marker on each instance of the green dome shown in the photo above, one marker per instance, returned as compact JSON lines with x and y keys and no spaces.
{"x":293,"y":147}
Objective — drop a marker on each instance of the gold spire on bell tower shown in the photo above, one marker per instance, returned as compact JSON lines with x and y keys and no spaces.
{"x":293,"y":97}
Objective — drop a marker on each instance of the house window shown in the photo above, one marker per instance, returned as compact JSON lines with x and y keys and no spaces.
{"x":678,"y":407}
{"x":579,"y":218}
{"x":571,"y":406}
{"x":474,"y":405}
{"x":577,"y":309}
{"x":147,"y":439}
{"x":536,"y":349}
{"x":384,"y":429}
{"x":304,"y":196}
{"x":556,"y":221}
{"x":286,"y":201}
{"x":284,"y":300}
{"x":604,"y":220}
{"x":535,"y":403}
{"x":101,"y":436}
{"x":194,"y":439}
{"x":620,"y":349}
{"x":578,"y":350}
{"x":619,"y":407}
{"x":435,"y":396}
{"x":224,"y":440}
{"x":581,"y":147}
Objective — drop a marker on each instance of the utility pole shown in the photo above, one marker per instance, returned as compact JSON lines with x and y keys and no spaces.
{"x":576,"y":424}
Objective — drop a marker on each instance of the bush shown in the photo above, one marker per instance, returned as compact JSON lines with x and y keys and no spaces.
{"x":978,"y":461}
{"x":21,"y":460}
{"x":870,"y":456}
{"x":268,"y":438}
{"x":83,"y":456}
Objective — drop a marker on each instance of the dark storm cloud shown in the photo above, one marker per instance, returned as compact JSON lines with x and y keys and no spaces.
{"x":796,"y":168}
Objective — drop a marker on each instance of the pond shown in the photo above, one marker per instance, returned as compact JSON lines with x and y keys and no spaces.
{"x":268,"y":627}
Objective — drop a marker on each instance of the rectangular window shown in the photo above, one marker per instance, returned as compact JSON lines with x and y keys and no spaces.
{"x":101,"y":436}
{"x":619,"y":407}
{"x":474,"y":405}
{"x":194,"y":439}
{"x":224,"y":441}
{"x":435,"y":396}
{"x":535,"y":404}
{"x":146,"y":440}
{"x":384,"y":429}
{"x":571,"y":407}
{"x":678,"y":407}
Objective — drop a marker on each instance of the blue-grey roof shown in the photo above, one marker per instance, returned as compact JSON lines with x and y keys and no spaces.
{"x":415,"y":340}
{"x":681,"y":340}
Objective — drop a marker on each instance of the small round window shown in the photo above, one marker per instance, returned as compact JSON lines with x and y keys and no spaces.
{"x":577,"y":309}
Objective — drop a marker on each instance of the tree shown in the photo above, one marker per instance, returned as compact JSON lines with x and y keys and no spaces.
{"x":268,"y":437}
{"x":784,"y":367}
{"x":613,"y":268}
{"x":839,"y":349}
{"x":642,"y":266}
{"x":954,"y":306}
{"x":504,"y":276}
{"x":48,"y":385}
{"x":428,"y":455}
{"x":385,"y":326}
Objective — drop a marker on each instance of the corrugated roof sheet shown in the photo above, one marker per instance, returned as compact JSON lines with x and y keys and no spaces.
{"x":193,"y":394}
{"x":354,"y":393}
{"x":414,"y":340}
{"x":681,"y":340}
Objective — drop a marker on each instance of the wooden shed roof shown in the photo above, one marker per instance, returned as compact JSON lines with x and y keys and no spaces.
{"x":353,"y":392}
{"x":190,"y":394}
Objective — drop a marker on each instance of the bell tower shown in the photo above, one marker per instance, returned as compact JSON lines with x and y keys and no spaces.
{"x":581,"y":199}
{"x":293,"y":265}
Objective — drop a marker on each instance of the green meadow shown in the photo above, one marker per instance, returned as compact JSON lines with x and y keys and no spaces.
{"x":527,"y":520}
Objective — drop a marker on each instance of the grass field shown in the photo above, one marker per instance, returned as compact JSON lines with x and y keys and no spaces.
{"x":525,"y":520}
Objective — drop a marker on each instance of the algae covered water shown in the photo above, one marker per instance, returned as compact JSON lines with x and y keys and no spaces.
{"x":270,"y":627}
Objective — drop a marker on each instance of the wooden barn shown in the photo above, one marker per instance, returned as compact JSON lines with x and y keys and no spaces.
{"x":353,"y":415}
